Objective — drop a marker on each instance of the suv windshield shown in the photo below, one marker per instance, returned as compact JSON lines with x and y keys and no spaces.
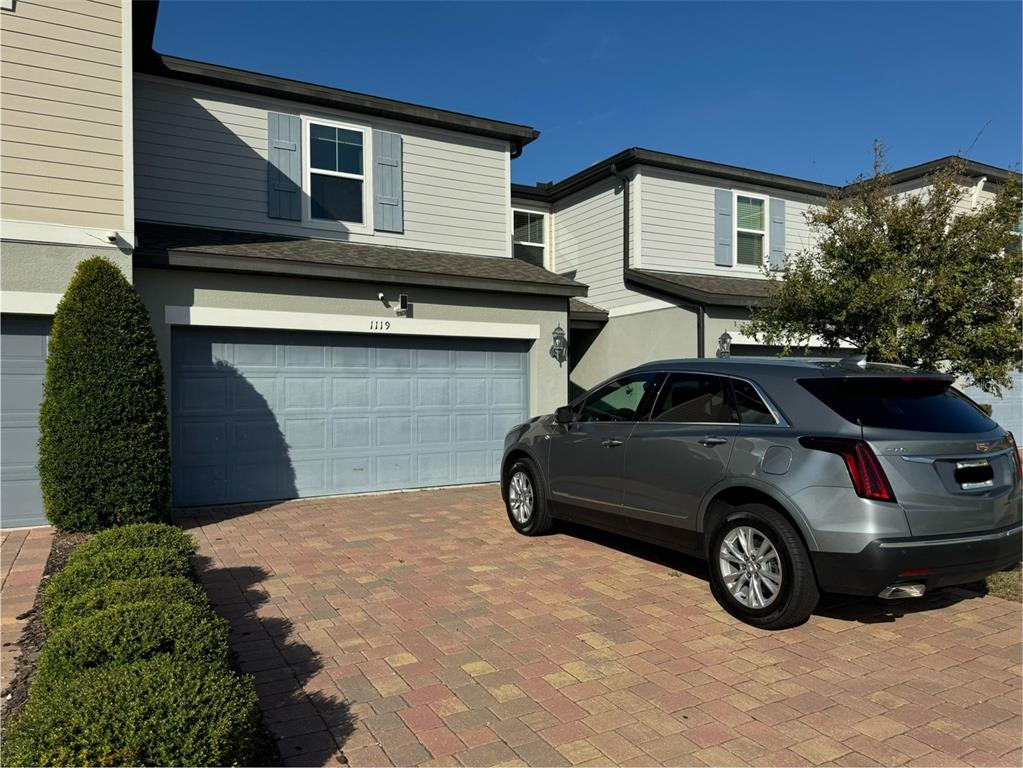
{"x":917,"y":404}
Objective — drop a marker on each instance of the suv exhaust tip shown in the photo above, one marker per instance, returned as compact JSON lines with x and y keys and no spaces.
{"x":899,"y":591}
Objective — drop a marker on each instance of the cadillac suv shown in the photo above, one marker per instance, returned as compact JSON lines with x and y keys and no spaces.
{"x":789,"y":476}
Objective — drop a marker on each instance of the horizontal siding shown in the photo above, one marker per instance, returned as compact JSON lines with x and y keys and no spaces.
{"x":201,"y":153}
{"x":588,"y":243}
{"x":678,"y":223}
{"x":61,"y":117}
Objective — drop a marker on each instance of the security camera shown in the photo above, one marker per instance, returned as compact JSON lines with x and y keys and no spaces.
{"x":380,"y":295}
{"x":112,"y":237}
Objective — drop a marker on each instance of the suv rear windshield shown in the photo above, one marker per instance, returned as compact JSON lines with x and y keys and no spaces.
{"x":920,"y":405}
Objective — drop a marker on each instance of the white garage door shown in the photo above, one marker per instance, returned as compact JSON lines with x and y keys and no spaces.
{"x":262,"y":415}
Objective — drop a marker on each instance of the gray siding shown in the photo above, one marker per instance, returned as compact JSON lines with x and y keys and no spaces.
{"x":588,"y":243}
{"x":200,"y":158}
{"x":678,"y":223}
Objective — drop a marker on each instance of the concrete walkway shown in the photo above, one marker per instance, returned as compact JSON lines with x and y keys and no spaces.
{"x":23,"y":556}
{"x":419,"y":628}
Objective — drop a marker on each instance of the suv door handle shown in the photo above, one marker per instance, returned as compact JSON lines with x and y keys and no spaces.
{"x":710,"y":440}
{"x":612,"y":443}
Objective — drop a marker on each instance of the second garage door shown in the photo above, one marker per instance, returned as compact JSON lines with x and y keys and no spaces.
{"x":263,"y":415}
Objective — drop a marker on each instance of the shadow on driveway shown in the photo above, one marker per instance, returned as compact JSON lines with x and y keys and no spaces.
{"x":864,"y":610}
{"x":309,"y":726}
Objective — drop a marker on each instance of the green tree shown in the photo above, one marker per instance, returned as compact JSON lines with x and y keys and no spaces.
{"x":103,"y":446}
{"x":919,"y":279}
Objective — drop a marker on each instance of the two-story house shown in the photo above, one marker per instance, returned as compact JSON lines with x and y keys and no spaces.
{"x":673,"y":250}
{"x":65,"y":194}
{"x":329,"y":275}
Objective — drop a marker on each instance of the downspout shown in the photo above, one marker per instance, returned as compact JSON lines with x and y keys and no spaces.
{"x":697,"y":308}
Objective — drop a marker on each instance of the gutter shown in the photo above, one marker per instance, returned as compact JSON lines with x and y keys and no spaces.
{"x":628,"y":274}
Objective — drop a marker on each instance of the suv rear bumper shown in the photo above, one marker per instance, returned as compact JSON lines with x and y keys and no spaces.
{"x":947,"y":560}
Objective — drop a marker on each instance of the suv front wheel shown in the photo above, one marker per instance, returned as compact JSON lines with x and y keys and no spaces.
{"x":760,"y":571}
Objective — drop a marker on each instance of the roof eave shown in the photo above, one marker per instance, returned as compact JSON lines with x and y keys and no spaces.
{"x":695,"y":295}
{"x":293,"y":90}
{"x":183,"y":258}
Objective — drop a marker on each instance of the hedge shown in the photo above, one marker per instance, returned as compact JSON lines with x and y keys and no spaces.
{"x":164,"y":711}
{"x":135,"y":536}
{"x":125,"y":634}
{"x":103,"y":443}
{"x":102,"y":568}
{"x":160,"y":589}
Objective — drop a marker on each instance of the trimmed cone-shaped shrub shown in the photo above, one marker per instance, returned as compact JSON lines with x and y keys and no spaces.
{"x":125,"y":634}
{"x":164,"y":711}
{"x":79,"y":577}
{"x":135,"y":536}
{"x":103,"y":447}
{"x":166,"y":590}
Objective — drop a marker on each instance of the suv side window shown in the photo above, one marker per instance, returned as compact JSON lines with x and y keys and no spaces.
{"x":621,"y":400}
{"x":694,"y":398}
{"x":752,"y":408}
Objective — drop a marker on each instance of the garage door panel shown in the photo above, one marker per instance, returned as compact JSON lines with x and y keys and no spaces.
{"x":312,"y":413}
{"x":24,"y":342}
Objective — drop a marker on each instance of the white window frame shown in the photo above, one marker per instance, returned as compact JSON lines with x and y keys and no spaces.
{"x":365,"y":227}
{"x":546,"y":234}
{"x":736,"y":229}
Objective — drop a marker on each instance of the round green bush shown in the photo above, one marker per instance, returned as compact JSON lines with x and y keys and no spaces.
{"x":160,"y":589}
{"x":78,"y":577}
{"x":135,"y":536}
{"x":103,"y":445}
{"x":125,"y":634}
{"x":164,"y":711}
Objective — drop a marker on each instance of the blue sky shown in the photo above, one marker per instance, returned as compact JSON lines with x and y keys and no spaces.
{"x":795,"y":88}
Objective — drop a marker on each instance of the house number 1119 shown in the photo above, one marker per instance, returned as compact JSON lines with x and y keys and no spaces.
{"x":380,"y":325}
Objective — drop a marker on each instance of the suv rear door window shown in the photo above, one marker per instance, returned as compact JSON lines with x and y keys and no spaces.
{"x":694,"y":398}
{"x":910,"y":403}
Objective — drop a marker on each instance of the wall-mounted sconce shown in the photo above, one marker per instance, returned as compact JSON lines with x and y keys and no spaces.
{"x":725,"y":345}
{"x":559,"y":347}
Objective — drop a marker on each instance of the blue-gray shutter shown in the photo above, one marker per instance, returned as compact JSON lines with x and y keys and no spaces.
{"x":777,"y":255}
{"x":284,"y":166}
{"x":388,"y":214}
{"x":723,"y":228}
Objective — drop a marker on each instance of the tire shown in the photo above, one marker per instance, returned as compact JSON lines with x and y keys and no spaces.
{"x":762,"y":603}
{"x":532,"y":516}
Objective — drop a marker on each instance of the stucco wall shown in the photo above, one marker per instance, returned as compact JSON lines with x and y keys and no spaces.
{"x":47,"y":268}
{"x":629,"y":340}
{"x":548,"y":383}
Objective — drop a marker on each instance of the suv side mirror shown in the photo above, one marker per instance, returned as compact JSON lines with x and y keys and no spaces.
{"x":564,"y":415}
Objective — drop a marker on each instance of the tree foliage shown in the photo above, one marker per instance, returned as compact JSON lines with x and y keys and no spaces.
{"x":103,"y":445}
{"x":918,"y":278}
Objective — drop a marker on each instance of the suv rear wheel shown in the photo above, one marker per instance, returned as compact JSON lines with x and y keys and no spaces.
{"x":760,"y":571}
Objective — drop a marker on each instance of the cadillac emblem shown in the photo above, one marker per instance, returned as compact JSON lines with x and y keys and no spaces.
{"x":983,"y":447}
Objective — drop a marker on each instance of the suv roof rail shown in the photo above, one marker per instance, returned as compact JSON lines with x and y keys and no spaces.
{"x":856,"y":362}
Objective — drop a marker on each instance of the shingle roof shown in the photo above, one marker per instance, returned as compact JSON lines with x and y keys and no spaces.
{"x":705,"y":289}
{"x":584,"y":310}
{"x":197,"y":247}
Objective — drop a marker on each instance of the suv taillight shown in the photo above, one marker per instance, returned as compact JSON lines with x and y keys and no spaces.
{"x":1016,"y":455}
{"x":868,"y":478}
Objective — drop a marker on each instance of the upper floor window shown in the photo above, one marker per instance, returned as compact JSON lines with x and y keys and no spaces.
{"x":750,"y":230}
{"x":337,"y":174}
{"x":528,"y":241}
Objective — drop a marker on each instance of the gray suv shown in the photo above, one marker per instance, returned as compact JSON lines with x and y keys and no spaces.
{"x":789,"y":476}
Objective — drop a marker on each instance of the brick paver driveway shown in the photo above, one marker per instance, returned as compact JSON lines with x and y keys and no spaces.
{"x":419,"y":628}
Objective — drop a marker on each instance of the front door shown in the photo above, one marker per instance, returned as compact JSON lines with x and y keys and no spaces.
{"x":587,"y":456}
{"x":673,"y":458}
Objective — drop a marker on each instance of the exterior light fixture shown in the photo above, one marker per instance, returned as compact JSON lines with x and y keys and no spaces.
{"x":725,"y":345}
{"x":559,"y":347}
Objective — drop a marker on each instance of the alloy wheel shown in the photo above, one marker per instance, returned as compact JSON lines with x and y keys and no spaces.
{"x":520,"y":497}
{"x":750,"y":567}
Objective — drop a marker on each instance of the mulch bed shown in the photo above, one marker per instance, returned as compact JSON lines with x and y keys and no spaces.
{"x":32,"y":637}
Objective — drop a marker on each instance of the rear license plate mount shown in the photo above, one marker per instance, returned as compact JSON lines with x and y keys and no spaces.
{"x":974,"y":474}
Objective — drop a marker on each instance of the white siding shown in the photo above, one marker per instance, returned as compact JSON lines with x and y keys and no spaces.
{"x":200,"y":159}
{"x":678,"y":223}
{"x":588,"y":243}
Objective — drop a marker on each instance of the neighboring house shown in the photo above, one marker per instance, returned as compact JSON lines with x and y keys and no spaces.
{"x":673,"y":250}
{"x":65,"y":194}
{"x":278,"y":227}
